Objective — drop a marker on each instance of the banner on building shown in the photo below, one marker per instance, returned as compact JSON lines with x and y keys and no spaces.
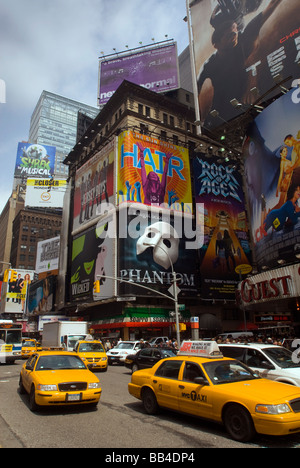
{"x":47,"y":256}
{"x":154,"y":68}
{"x":272,"y":168}
{"x":241,"y":49}
{"x":93,"y":258}
{"x":226,"y":248}
{"x":153,"y":172}
{"x":94,"y":186}
{"x":45,"y":193}
{"x":41,"y":296}
{"x":14,"y":290}
{"x":34,"y":161}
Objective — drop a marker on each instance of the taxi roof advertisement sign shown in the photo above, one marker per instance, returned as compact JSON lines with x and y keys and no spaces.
{"x":153,"y":68}
{"x":34,"y":160}
{"x":240,"y":46}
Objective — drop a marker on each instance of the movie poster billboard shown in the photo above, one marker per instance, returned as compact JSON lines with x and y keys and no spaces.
{"x":93,"y":254}
{"x":153,"y":172}
{"x":47,"y":255}
{"x":152,"y":243}
{"x":241,"y":49}
{"x":272,"y":168}
{"x":45,"y":193}
{"x":41,"y":296}
{"x":14,"y":290}
{"x":154,"y":68}
{"x":34,"y":161}
{"x":94,"y":186}
{"x":226,"y":247}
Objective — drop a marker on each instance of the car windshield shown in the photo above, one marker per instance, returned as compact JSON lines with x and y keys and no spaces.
{"x":91,"y":348}
{"x":281,"y":356}
{"x":224,"y":372}
{"x":59,"y":362}
{"x":124,"y":345}
{"x":29,"y":344}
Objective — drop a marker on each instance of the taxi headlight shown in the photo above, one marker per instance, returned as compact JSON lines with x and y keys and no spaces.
{"x":104,"y":359}
{"x":47,"y":388}
{"x":273,"y":409}
{"x":94,"y":385}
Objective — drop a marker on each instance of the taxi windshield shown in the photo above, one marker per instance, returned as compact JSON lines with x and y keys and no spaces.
{"x":281,"y":356}
{"x":224,"y":372}
{"x":59,"y":362}
{"x":91,"y":348}
{"x":29,"y":344}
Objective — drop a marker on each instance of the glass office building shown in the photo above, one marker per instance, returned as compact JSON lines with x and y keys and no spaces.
{"x":54,"y":123}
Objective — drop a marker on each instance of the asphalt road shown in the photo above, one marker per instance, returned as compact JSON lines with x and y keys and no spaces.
{"x":119,"y":422}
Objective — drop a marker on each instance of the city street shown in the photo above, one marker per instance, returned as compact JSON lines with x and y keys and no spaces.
{"x":119,"y":422}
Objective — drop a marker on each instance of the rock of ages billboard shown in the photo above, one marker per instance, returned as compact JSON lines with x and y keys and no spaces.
{"x":218,"y":189}
{"x":241,"y":46}
{"x":153,"y":172}
{"x":272,"y":168}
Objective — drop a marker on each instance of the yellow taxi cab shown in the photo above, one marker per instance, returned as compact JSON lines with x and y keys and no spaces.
{"x":28,"y":347}
{"x":92,"y":353}
{"x":58,"y":378}
{"x":201,"y":382}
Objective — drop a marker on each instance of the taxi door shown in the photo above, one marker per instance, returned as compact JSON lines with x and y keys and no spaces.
{"x":194,"y":398}
{"x":165,"y":384}
{"x":27,"y":373}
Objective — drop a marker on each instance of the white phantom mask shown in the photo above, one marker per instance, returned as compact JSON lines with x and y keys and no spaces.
{"x":165,"y":242}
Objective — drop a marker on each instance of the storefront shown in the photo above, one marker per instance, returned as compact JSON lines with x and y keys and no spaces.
{"x":272,"y":298}
{"x":141,"y":322}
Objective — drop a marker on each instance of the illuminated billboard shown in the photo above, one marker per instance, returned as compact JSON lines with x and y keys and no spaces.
{"x":272,"y":168}
{"x":154,"y":68}
{"x":226,"y":247}
{"x":153,"y":172}
{"x":241,"y":49}
{"x":34,"y":160}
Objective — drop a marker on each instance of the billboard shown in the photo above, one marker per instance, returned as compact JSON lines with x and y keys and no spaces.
{"x":40,"y":296}
{"x":45,"y":193}
{"x":14,"y":291}
{"x":226,"y":247}
{"x":154,"y":68}
{"x":47,"y":256}
{"x":153,"y":172}
{"x":272,"y":169}
{"x":94,"y":186}
{"x":34,"y":160}
{"x":151,"y":242}
{"x":93,"y":254}
{"x":241,"y":46}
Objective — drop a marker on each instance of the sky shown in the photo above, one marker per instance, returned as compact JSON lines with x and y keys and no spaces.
{"x":54,"y":45}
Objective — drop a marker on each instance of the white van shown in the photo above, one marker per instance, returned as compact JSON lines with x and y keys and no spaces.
{"x":270,"y":361}
{"x":118,"y":353}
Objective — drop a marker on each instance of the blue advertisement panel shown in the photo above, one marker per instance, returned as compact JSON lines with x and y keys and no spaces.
{"x":272,"y":169}
{"x":226,"y":248}
{"x":34,"y":160}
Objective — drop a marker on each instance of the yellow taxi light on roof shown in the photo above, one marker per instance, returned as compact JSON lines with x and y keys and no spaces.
{"x":205,"y":349}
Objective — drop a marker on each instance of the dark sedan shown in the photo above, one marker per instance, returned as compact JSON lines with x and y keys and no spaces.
{"x":147,"y":357}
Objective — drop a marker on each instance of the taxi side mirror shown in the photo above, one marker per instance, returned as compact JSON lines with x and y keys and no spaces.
{"x":201,"y":381}
{"x":29,"y":367}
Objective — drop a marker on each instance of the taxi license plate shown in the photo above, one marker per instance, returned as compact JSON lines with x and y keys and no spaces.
{"x":74,"y":397}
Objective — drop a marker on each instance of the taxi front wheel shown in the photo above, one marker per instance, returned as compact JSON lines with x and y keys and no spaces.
{"x":238,"y":423}
{"x":149,"y":401}
{"x":32,"y":404}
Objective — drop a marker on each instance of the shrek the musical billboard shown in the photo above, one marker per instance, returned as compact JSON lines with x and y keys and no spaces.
{"x":272,"y":168}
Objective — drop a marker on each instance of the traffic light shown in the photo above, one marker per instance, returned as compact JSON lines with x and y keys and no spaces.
{"x":97,"y":287}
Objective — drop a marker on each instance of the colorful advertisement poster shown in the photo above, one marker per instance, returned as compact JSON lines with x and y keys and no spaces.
{"x":272,"y":168}
{"x":241,"y":49}
{"x":41,"y":296}
{"x":94,"y":186}
{"x":34,"y":161}
{"x":93,"y":255}
{"x":226,"y":248}
{"x":150,"y":247}
{"x":154,"y":68}
{"x":14,"y":291}
{"x":153,"y":172}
